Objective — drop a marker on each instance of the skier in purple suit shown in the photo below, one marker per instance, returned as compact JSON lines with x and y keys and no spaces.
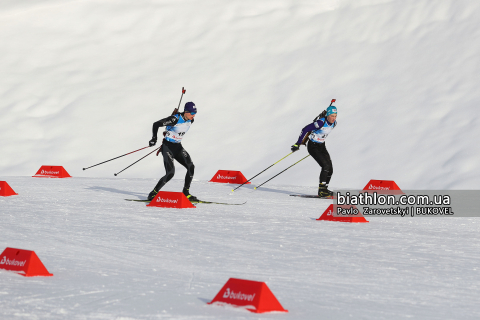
{"x":319,"y":131}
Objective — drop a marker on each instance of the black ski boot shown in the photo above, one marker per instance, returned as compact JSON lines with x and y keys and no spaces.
{"x":152,"y":194}
{"x":323,"y":191}
{"x":189,"y":196}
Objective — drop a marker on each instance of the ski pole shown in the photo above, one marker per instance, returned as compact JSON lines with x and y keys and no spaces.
{"x":282,"y":172}
{"x":114,"y":158}
{"x":261,"y":172}
{"x":115,"y":174}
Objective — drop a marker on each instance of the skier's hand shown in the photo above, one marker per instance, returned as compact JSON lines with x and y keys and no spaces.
{"x":152,"y":142}
{"x":295,"y":147}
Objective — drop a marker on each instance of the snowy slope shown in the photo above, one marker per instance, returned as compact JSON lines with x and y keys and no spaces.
{"x":82,"y":82}
{"x":114,"y":259}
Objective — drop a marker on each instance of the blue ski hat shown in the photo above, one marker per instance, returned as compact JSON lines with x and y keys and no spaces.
{"x":190,"y":108}
{"x":331,"y":110}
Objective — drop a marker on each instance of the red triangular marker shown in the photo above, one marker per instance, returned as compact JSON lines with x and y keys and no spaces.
{"x":329,"y":215}
{"x":23,"y":262}
{"x":383,"y":187}
{"x":52,"y":172}
{"x":255,"y":296}
{"x":6,"y":190}
{"x":167,"y":199}
{"x":229,"y":176}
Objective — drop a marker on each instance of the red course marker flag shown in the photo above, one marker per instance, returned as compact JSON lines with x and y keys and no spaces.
{"x":23,"y":262}
{"x":255,"y":296}
{"x":6,"y":190}
{"x":52,"y":172}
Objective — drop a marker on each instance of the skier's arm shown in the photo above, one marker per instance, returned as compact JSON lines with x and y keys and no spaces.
{"x":168,"y":121}
{"x":309,"y":128}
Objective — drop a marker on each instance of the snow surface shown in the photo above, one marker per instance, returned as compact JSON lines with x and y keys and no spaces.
{"x":114,"y":259}
{"x":83,"y":81}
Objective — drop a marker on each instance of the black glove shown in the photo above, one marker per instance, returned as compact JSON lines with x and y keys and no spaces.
{"x":152,"y":142}
{"x":295,"y":147}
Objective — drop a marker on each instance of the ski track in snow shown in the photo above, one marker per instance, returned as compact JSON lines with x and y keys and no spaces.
{"x":114,"y":259}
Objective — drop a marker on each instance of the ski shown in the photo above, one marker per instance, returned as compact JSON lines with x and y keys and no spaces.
{"x":194,"y":202}
{"x":224,"y":203}
{"x":311,"y":196}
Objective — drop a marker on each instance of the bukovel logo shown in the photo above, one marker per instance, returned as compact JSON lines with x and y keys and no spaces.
{"x":372,"y":187}
{"x":166,"y":200}
{"x":12,"y":262}
{"x":230,"y":294}
{"x":49,"y":172}
{"x":222,"y":177}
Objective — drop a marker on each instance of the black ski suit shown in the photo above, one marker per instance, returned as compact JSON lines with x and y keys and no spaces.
{"x":171,"y":151}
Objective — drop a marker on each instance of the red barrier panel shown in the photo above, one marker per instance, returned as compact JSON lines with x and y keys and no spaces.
{"x":6,"y":190}
{"x":166,"y":199}
{"x":229,"y":176}
{"x":52,"y":172}
{"x":23,"y":262}
{"x":383,"y":187}
{"x":328,"y":215}
{"x":255,"y":296}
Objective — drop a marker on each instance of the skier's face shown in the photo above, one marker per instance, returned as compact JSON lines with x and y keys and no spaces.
{"x":189,"y":116}
{"x":331,"y":118}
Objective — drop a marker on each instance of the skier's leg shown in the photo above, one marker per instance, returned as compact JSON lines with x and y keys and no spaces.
{"x":169,"y":171}
{"x":169,"y":167}
{"x":327,"y":167}
{"x":185,"y":160}
{"x":319,"y":152}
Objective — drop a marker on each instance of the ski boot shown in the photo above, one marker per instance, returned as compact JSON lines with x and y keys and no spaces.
{"x":323,"y":191}
{"x":189,"y":196}
{"x":152,"y":194}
